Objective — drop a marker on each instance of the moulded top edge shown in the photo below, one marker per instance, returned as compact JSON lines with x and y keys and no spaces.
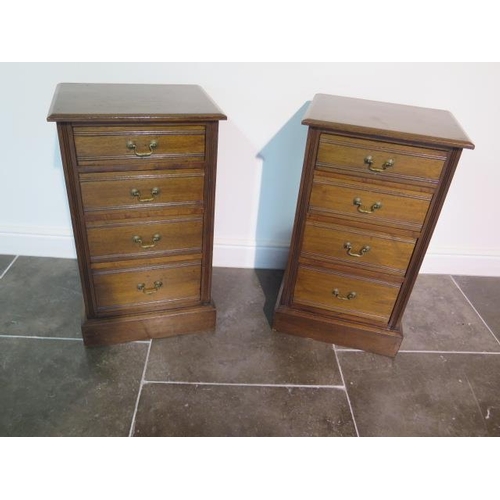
{"x":139,"y":102}
{"x":387,"y":120}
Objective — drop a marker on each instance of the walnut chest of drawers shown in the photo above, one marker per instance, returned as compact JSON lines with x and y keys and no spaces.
{"x":374,"y":180}
{"x":140,"y":164}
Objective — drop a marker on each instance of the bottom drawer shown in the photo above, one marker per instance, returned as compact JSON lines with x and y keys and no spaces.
{"x":158,"y":287}
{"x":353,"y":295}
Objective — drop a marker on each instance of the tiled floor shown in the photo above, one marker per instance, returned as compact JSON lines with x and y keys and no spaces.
{"x":244,"y":379}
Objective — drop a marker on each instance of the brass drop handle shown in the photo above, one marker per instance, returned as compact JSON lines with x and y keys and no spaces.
{"x":138,"y":239}
{"x":364,"y":249}
{"x":149,"y":291}
{"x":349,"y":296}
{"x":152,"y":145}
{"x":369,"y":161}
{"x":137,"y":194}
{"x":358,"y":203}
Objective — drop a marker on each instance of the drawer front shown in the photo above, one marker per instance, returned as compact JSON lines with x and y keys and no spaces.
{"x":144,"y":144}
{"x":369,"y":203}
{"x":374,"y":157}
{"x":344,"y":293}
{"x":165,"y":286}
{"x":354,"y":246}
{"x":122,"y":239}
{"x":102,"y":191}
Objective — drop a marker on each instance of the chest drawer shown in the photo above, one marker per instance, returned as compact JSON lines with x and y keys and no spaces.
{"x":376,"y":157}
{"x":164,"y":286}
{"x":102,"y":191}
{"x":132,"y":144}
{"x":380,"y":205}
{"x":114,"y":240}
{"x":355,"y":246}
{"x":324,"y":289}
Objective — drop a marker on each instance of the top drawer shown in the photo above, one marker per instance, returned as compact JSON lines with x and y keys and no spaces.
{"x":138,"y":144}
{"x":382,"y":158}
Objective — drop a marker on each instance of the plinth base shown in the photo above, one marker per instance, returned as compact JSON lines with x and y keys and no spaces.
{"x":337,"y":331}
{"x":104,"y":331}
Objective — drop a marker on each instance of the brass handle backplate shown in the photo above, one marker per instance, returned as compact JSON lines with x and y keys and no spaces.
{"x":369,"y":161}
{"x":349,"y":296}
{"x":364,"y":249}
{"x":137,"y":194}
{"x":154,"y":240}
{"x":152,"y":146}
{"x":149,"y":291}
{"x":358,"y":203}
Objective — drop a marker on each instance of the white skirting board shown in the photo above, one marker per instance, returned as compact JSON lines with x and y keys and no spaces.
{"x":58,"y":242}
{"x":37,"y":241}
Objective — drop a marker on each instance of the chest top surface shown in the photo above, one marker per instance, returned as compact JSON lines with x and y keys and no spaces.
{"x":411,"y":123}
{"x":77,"y":102}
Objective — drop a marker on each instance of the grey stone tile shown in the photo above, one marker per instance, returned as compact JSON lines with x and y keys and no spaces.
{"x":222,"y":410}
{"x":41,"y":297}
{"x":60,"y":388}
{"x":420,"y":394}
{"x":439,"y":318}
{"x":243,"y":348}
{"x":5,"y":261}
{"x":484,"y":293}
{"x":483,"y":376}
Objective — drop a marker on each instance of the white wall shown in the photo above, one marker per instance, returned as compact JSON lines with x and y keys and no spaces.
{"x":260,"y":151}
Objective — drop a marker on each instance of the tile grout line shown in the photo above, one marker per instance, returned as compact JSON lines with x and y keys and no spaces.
{"x":78,"y":339}
{"x":235,"y":384}
{"x":450,"y":352}
{"x":9,"y":266}
{"x":345,"y":389}
{"x":474,"y":396}
{"x":475,"y":310}
{"x":417,"y":351}
{"x":132,"y":424}
{"x":39,"y":337}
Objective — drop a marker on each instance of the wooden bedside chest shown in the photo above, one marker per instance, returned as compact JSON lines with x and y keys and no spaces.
{"x":140,"y":164}
{"x":374,"y":180}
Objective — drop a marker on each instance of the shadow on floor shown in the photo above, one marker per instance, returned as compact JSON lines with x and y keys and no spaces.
{"x":270,"y":282}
